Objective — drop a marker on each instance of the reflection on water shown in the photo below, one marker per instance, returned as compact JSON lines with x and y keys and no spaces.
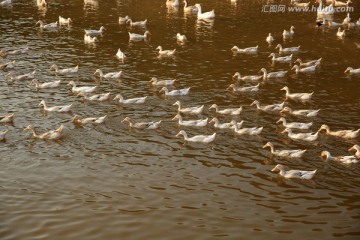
{"x":102,"y":181}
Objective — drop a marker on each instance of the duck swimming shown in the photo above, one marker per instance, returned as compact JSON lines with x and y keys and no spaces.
{"x":293,"y":173}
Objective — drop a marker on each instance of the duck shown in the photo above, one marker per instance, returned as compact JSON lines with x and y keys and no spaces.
{"x":192,"y":123}
{"x":297,"y":96}
{"x":309,"y":137}
{"x":229,"y":125}
{"x":342,"y":159}
{"x":141,"y":125}
{"x":64,"y":21}
{"x":268,"y":108}
{"x":49,"y":135}
{"x":270,"y":39}
{"x":189,"y":110}
{"x":120,"y":55}
{"x":197,"y":138}
{"x":294,"y":173}
{"x":235,"y":49}
{"x":355,"y":148}
{"x":165,"y":52}
{"x":122,"y":20}
{"x":180,"y":38}
{"x":296,"y":4}
{"x":27,"y":76}
{"x":53,"y":84}
{"x":238,"y":76}
{"x":65,"y":71}
{"x":93,"y":32}
{"x":138,"y":100}
{"x":184,"y":91}
{"x":246,"y":131}
{"x":304,"y":112}
{"x":227,"y":111}
{"x":351,"y":70}
{"x":341,"y":33}
{"x":308,"y":63}
{"x":281,"y":59}
{"x":8,"y":65}
{"x":244,"y":89}
{"x":294,"y":125}
{"x":64,"y":108}
{"x":137,"y":24}
{"x":85,"y":89}
{"x":79,"y":120}
{"x":89,"y":39}
{"x":278,"y":74}
{"x":3,"y":134}
{"x":5,"y":2}
{"x":188,"y":8}
{"x":287,"y":50}
{"x":332,"y":24}
{"x":172,"y":3}
{"x":347,"y":19}
{"x":7,"y":118}
{"x":309,"y":69}
{"x":110,"y":75}
{"x":15,"y":52}
{"x":298,"y":153}
{"x":287,"y":34}
{"x":49,"y":26}
{"x":327,"y":10}
{"x":205,"y":15}
{"x":139,"y":37}
{"x":348,"y":134}
{"x":96,"y":97}
{"x":41,"y":3}
{"x":155,"y":82}
{"x":341,"y":4}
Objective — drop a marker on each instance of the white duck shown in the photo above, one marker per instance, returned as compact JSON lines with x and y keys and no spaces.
{"x":340,"y":33}
{"x":347,"y":19}
{"x":235,"y":49}
{"x":356,"y":148}
{"x":7,"y":118}
{"x":122,"y":20}
{"x":244,"y":89}
{"x":155,"y":82}
{"x":294,"y":125}
{"x":96,"y":97}
{"x":50,"y":26}
{"x":181,"y":38}
{"x":351,"y":70}
{"x":298,"y":153}
{"x":293,"y":173}
{"x":281,"y":59}
{"x":137,"y":24}
{"x":309,"y":69}
{"x":308,"y":63}
{"x":197,"y":138}
{"x":85,"y":89}
{"x":184,"y":91}
{"x":297,"y":96}
{"x":342,"y":159}
{"x":138,"y":100}
{"x":287,"y":34}
{"x":172,"y":3}
{"x":89,"y":39}
{"x":64,"y":108}
{"x":278,"y":74}
{"x":238,"y":76}
{"x":18,"y":51}
{"x":188,"y":8}
{"x":65,"y":71}
{"x":64,"y":21}
{"x":5,"y":2}
{"x":92,"y":32}
{"x":227,"y":111}
{"x":296,"y":4}
{"x":8,"y":65}
{"x":110,"y":75}
{"x":332,"y":24}
{"x":141,"y":125}
{"x":349,"y":134}
{"x":304,"y":112}
{"x":41,"y":3}
{"x":270,"y":39}
{"x":50,"y":135}
{"x":205,"y":15}
{"x":53,"y":84}
{"x":139,"y":37}
{"x":229,"y":125}
{"x":309,"y":137}
{"x":165,"y":52}
{"x":3,"y":134}
{"x":189,"y":110}
{"x":327,"y":10}
{"x":81,"y":120}
{"x":192,"y":123}
{"x":246,"y":131}
{"x":27,"y":76}
{"x":120,"y":55}
{"x":268,"y":108}
{"x":287,"y":50}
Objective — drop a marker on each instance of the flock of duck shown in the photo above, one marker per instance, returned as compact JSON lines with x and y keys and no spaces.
{"x":87,"y":92}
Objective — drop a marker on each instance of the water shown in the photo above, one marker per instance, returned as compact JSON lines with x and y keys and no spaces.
{"x":106,"y":181}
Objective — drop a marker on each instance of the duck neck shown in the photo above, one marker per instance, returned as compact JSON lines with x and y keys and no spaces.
{"x":272,"y":148}
{"x":185,"y":135}
{"x":186,"y":4}
{"x":199,"y":10}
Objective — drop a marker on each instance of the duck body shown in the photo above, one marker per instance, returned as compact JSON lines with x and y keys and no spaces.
{"x":64,"y":21}
{"x":122,"y":20}
{"x":165,"y":52}
{"x":342,"y":159}
{"x":181,"y":38}
{"x":176,"y":92}
{"x":141,"y":125}
{"x":92,"y":32}
{"x":90,"y":39}
{"x":290,"y":33}
{"x":27,"y":76}
{"x":247,"y":78}
{"x":7,"y":118}
{"x":172,"y":3}
{"x":8,"y":65}
{"x":340,"y":33}
{"x":3,"y":134}
{"x":309,"y":63}
{"x":138,"y":100}
{"x":188,"y":8}
{"x":356,"y":148}
{"x":97,"y":97}
{"x":293,"y":173}
{"x":287,"y":50}
{"x":351,"y":71}
{"x":137,"y":24}
{"x":270,"y":39}
{"x":229,"y":125}
{"x":246,"y":131}
{"x":297,"y":96}
{"x":50,"y":26}
{"x":309,"y":137}
{"x":281,"y":59}
{"x":80,"y":120}
{"x":189,"y":110}
{"x":110,"y":75}
{"x":245,"y":50}
{"x":268,"y":108}
{"x":192,"y":123}
{"x":5,"y":2}
{"x":197,"y":138}
{"x":45,"y":85}
{"x":294,"y":125}
{"x":155,"y":82}
{"x":84,"y":89}
{"x":267,"y":75}
{"x":244,"y":89}
{"x":120,"y":55}
{"x":348,"y":134}
{"x":139,"y":37}
{"x":64,"y":108}
{"x":309,"y":69}
{"x":65,"y":71}
{"x":50,"y":135}
{"x":227,"y":111}
{"x":298,"y":153}
{"x":205,"y":15}
{"x":303,"y":112}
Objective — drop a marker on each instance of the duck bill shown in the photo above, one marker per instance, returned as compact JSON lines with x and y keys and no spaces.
{"x":274,"y":169}
{"x":284,"y":131}
{"x":351,"y":149}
